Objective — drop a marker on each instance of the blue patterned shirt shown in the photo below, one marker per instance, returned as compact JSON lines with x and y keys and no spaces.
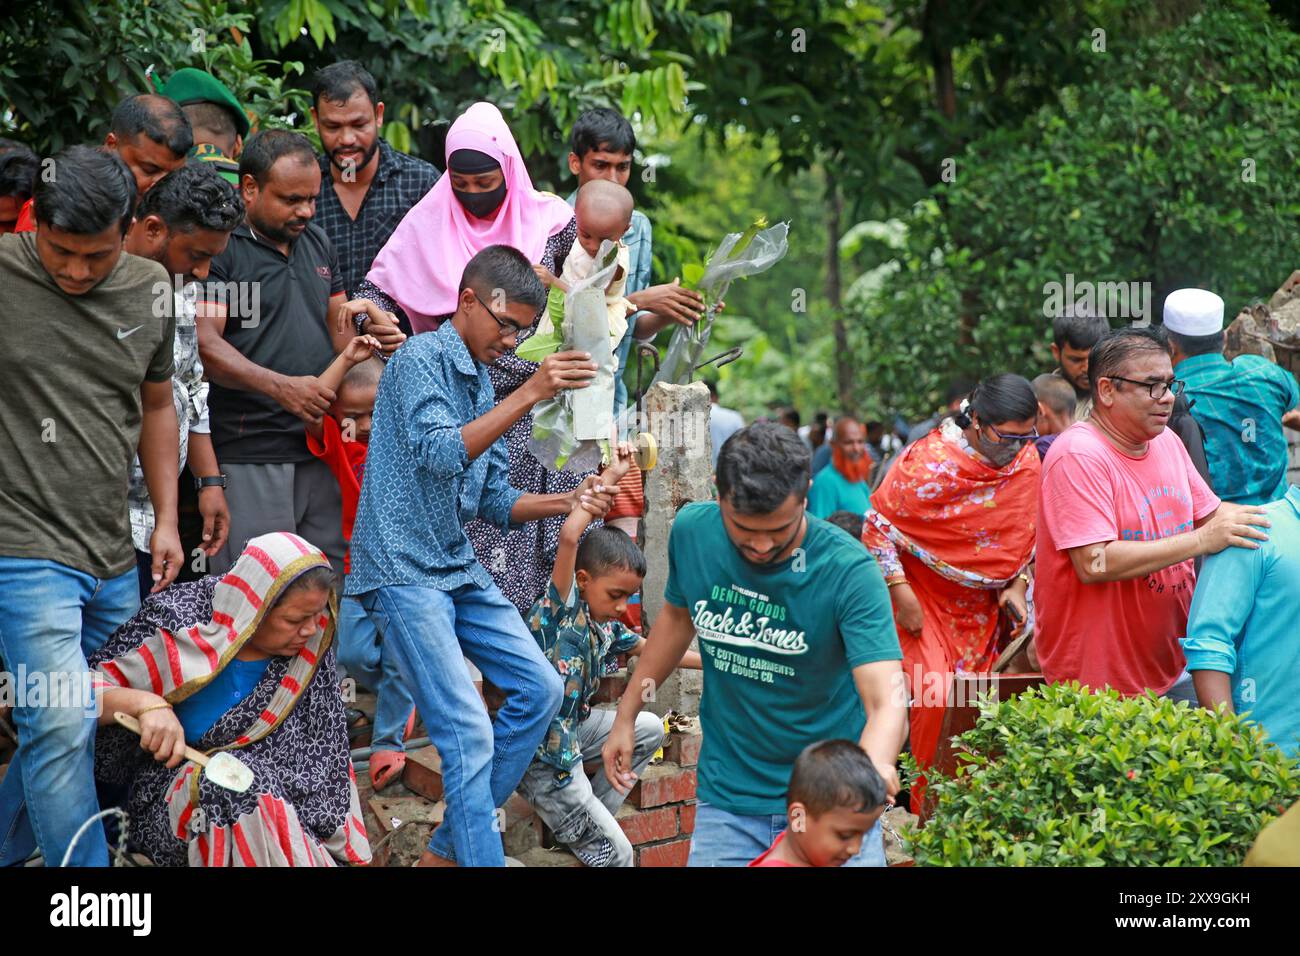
{"x":639,"y":252}
{"x":1240,"y":405}
{"x":420,"y":487}
{"x":576,"y":645}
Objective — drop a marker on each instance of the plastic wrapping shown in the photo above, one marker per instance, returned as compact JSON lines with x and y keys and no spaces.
{"x":572,"y":430}
{"x":766,"y":248}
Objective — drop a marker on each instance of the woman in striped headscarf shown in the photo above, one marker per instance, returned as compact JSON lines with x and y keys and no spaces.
{"x":244,"y":663}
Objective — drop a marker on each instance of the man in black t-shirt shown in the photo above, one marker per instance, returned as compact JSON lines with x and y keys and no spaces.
{"x":272,"y":316}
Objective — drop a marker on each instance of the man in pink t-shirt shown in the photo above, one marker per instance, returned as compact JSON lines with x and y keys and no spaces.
{"x":1122,"y":513}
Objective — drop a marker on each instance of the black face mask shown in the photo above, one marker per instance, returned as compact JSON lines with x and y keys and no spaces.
{"x":481,"y":205}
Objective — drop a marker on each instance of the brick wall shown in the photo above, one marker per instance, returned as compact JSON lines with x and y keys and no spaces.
{"x":658,"y":816}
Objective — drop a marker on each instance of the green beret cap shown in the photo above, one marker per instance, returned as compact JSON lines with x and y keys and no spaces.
{"x":195,"y":86}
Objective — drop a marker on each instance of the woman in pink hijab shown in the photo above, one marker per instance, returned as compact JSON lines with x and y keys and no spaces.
{"x":485,"y":198}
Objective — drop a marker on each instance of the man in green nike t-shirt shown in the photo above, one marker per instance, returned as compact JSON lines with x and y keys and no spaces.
{"x":797,"y":640}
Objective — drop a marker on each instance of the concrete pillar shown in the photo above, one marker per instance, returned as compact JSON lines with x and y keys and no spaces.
{"x":678,"y":417}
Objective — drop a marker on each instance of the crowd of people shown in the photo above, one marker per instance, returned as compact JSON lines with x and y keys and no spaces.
{"x":325,"y":347}
{"x":1143,"y":542}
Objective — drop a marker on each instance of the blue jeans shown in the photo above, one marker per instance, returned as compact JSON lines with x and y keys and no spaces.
{"x":727,"y":839}
{"x":431,"y":633}
{"x":51,"y":618}
{"x":582,"y":813}
{"x":372,"y":664}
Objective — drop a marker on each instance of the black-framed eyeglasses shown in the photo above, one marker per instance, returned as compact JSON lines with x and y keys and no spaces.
{"x":1156,"y":390}
{"x":504,"y":326}
{"x":1010,"y":438}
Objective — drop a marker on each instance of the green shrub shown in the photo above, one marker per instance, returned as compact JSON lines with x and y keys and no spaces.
{"x":1061,"y":777}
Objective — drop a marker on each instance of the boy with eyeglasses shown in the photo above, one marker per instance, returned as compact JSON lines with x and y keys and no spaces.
{"x":436,"y":461}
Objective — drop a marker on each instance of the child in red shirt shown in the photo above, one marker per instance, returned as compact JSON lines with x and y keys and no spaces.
{"x":341,"y":440}
{"x":835,"y":796}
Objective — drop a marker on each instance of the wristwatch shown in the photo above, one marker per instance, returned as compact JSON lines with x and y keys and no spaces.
{"x":210,"y":481}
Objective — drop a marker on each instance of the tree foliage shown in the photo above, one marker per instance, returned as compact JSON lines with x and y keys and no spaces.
{"x":542,"y":63}
{"x":940,"y":160}
{"x":1171,"y":167}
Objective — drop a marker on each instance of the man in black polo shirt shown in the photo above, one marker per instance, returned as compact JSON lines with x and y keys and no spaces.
{"x":271,"y":318}
{"x":367,"y":186}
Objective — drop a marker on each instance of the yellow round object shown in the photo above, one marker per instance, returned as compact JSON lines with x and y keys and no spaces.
{"x":647,"y":451}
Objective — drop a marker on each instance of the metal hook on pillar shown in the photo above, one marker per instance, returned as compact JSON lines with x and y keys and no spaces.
{"x":722,"y":358}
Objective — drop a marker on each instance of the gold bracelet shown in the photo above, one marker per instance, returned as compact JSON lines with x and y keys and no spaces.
{"x":154,"y":707}
{"x":894,"y":584}
{"x":1024,"y":577}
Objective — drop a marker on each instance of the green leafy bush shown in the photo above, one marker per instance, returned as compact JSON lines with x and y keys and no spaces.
{"x":1061,"y":777}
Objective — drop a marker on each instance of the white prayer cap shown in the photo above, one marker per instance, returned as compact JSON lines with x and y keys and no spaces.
{"x":1193,"y":312}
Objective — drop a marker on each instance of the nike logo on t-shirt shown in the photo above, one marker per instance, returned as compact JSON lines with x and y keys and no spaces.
{"x":123,"y":333}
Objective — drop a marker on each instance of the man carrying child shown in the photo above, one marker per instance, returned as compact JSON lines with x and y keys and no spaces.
{"x":435,"y":463}
{"x":797,"y":640}
{"x":602,"y":146}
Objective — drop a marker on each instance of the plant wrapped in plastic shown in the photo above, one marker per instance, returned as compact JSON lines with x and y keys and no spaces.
{"x":1061,"y":777}
{"x":738,"y":255}
{"x":571,"y":431}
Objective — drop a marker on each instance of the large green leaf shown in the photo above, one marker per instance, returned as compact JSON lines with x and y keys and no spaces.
{"x":692,"y":272}
{"x":540,"y":346}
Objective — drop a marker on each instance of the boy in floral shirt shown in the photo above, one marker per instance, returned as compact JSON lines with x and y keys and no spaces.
{"x":576,"y":623}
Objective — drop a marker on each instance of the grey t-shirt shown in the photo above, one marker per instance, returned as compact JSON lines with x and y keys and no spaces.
{"x":72,"y":367}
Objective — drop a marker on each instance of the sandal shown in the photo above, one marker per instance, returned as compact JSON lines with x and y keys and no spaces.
{"x":385,"y":767}
{"x":358,"y":723}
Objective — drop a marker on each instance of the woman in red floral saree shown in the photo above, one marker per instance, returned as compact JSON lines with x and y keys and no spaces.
{"x":952,"y":527}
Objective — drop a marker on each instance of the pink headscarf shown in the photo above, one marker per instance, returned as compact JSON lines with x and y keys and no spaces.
{"x":421,"y":264}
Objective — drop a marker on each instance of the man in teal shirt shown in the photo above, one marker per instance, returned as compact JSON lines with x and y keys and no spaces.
{"x":843,"y":486}
{"x":797,"y":642}
{"x":1243,"y":642}
{"x":1240,"y":405}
